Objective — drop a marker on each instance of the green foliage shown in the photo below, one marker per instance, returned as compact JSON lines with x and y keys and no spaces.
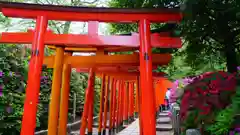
{"x":14,"y":67}
{"x":45,"y":91}
{"x":211,"y":27}
{"x":13,"y":84}
{"x":210,"y":32}
{"x":224,"y":120}
{"x":191,"y":123}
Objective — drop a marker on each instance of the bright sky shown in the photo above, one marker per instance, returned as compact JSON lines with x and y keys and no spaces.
{"x":75,"y":28}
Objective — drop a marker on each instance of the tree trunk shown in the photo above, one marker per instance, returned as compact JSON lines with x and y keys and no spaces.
{"x":66,"y":28}
{"x":74,"y":106}
{"x":231,"y":56}
{"x":228,"y":41}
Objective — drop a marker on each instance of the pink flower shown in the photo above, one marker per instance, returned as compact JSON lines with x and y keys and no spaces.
{"x":169,"y":114}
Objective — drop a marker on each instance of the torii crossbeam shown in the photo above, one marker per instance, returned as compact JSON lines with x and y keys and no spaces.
{"x":107,"y":60}
{"x":86,"y":41}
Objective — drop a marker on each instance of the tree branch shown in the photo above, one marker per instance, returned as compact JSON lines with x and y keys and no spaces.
{"x":92,"y":2}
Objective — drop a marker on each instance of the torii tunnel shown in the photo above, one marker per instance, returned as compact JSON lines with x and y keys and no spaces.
{"x":127,"y":80}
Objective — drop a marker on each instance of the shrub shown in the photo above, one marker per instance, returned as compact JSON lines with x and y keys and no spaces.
{"x":205,"y":97}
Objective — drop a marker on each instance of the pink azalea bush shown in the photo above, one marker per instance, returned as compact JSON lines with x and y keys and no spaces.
{"x":205,"y":96}
{"x":177,"y":89}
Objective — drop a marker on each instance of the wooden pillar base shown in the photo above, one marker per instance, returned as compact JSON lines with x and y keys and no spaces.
{"x":135,"y":115}
{"x":104,"y":132}
{"x":131,"y":119}
{"x":126,"y":121}
{"x":110,"y":132}
{"x":120,"y":127}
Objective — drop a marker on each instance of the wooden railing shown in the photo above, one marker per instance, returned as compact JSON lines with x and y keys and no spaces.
{"x":70,"y":127}
{"x":175,"y":110}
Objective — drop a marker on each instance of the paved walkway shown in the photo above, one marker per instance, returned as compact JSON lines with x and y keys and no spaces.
{"x":163,"y":126}
{"x":132,"y":129}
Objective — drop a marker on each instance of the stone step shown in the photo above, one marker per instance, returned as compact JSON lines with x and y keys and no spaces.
{"x":163,"y":114}
{"x":157,"y":133}
{"x":95,"y":132}
{"x":163,"y":120}
{"x":95,"y":124}
{"x":164,"y":133}
{"x":165,"y":111}
{"x":164,"y":127}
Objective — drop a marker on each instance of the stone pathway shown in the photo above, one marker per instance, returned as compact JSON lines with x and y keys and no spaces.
{"x":163,"y":126}
{"x":132,"y":129}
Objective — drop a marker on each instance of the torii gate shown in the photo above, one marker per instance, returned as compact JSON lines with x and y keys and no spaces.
{"x":119,"y":73}
{"x":40,"y":37}
{"x":124,"y":59}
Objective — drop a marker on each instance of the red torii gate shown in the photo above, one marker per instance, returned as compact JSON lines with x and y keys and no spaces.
{"x":43,"y":13}
{"x":119,"y":73}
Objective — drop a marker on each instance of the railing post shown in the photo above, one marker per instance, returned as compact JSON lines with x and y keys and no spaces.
{"x":34,"y":74}
{"x":176,"y":119}
{"x":147,"y":92}
{"x":63,"y":116}
{"x":74,"y":105}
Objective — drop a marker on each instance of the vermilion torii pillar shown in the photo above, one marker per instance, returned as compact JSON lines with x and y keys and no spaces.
{"x":43,"y":13}
{"x":63,"y":113}
{"x":147,"y":92}
{"x":33,"y":83}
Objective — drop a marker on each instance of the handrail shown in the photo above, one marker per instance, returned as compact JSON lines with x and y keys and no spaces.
{"x":175,"y":110}
{"x":69,"y":127}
